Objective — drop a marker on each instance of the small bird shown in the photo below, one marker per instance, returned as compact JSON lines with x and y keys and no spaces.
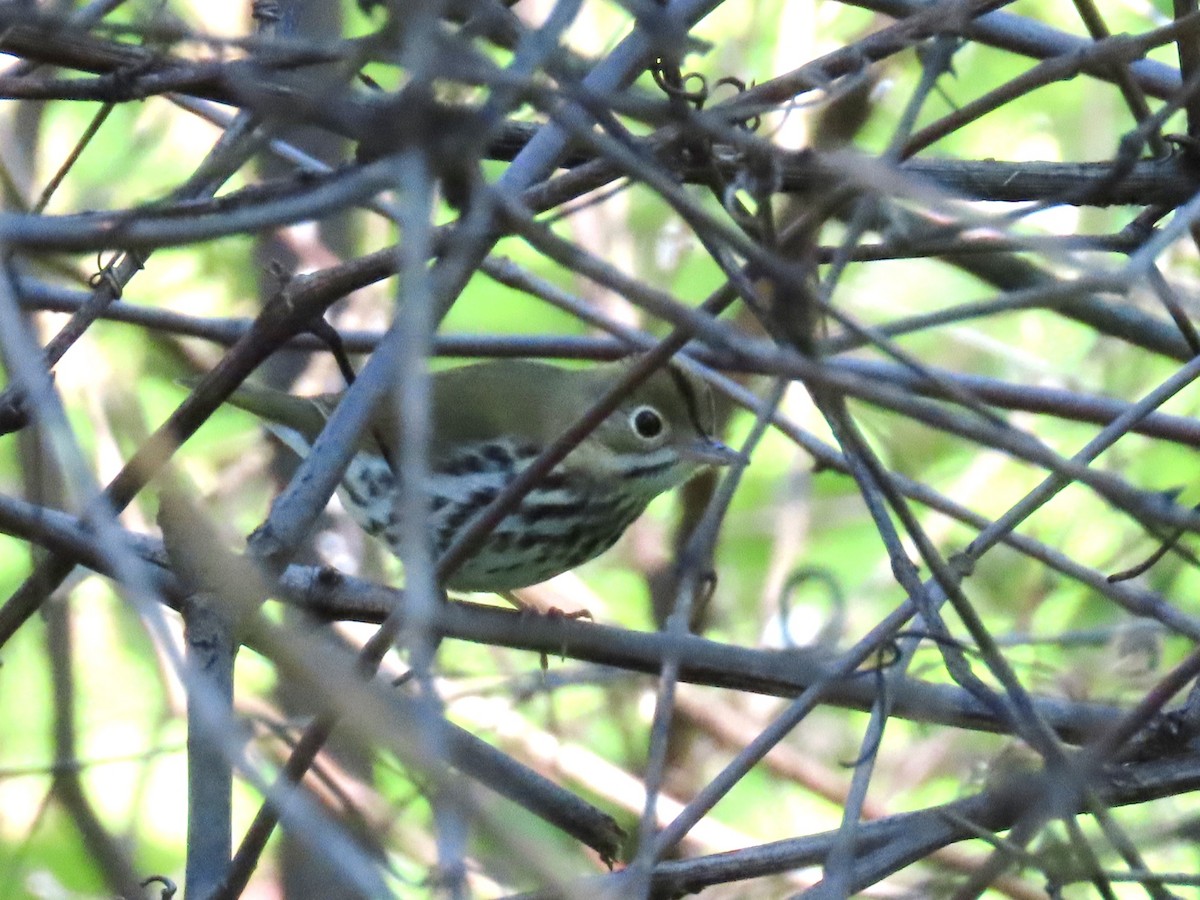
{"x":490,"y":420}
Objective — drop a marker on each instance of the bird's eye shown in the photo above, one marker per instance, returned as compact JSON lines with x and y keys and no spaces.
{"x":646,"y":422}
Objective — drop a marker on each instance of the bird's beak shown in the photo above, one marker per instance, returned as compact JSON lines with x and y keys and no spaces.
{"x":706,"y":451}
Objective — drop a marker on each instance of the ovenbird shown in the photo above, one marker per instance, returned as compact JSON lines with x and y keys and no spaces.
{"x":489,"y":421}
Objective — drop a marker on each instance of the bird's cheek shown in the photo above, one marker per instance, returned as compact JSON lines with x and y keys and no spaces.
{"x":595,"y":459}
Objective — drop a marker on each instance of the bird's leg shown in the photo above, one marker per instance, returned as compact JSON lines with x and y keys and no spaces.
{"x":553,"y":612}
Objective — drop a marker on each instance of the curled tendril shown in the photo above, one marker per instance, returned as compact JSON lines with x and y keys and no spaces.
{"x":104,"y":275}
{"x":1168,"y":543}
{"x":886,"y":656}
{"x":169,"y":888}
{"x":831,"y":629}
{"x":675,"y":85}
{"x":739,"y":87}
{"x":760,"y":177}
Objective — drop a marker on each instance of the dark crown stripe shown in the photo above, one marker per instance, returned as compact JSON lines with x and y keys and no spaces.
{"x":690,"y":401}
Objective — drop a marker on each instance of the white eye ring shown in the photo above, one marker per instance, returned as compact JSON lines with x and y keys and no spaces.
{"x":647,"y":422}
